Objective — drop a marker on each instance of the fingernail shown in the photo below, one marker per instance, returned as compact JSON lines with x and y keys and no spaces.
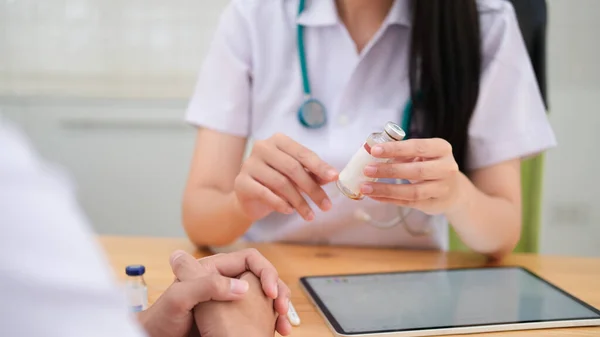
{"x":176,"y":255}
{"x":239,"y":287}
{"x":326,"y":205}
{"x":376,"y":150}
{"x":331,"y":174}
{"x":310,"y":216}
{"x":289,"y":210}
{"x":370,"y":170}
{"x":366,"y":189}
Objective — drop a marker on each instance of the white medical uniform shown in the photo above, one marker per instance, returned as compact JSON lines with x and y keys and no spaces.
{"x":250,"y":85}
{"x":54,"y":279}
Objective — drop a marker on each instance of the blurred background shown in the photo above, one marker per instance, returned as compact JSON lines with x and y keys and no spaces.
{"x":101,"y":87}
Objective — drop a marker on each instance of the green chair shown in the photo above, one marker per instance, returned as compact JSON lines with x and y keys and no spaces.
{"x":531,"y":184}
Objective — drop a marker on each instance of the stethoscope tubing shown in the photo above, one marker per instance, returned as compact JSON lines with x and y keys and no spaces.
{"x":308,"y":99}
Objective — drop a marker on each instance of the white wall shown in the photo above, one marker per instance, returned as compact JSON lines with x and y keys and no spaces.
{"x":106,"y":48}
{"x":131,"y":65}
{"x":101,"y":86}
{"x":129,"y":159}
{"x":571,"y":214}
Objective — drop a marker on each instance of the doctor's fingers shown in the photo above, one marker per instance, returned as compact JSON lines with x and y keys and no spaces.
{"x":416,"y":170}
{"x":291,"y":168}
{"x":407,"y":192}
{"x":280,"y":185}
{"x":425,"y":147}
{"x":306,"y":157}
{"x":249,"y":187}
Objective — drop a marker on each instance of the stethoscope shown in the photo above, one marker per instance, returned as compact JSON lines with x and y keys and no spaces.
{"x":312,"y":114}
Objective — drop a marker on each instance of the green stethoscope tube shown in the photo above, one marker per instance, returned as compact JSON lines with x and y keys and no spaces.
{"x":312,"y":113}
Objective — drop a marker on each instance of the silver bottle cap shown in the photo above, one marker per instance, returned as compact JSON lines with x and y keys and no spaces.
{"x":394,"y":131}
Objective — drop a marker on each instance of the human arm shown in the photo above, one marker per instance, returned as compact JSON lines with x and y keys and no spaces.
{"x":485,"y":208}
{"x":487,"y":216}
{"x":211,"y":213}
{"x":221,"y":190}
{"x":223,"y":196}
{"x":509,"y":123}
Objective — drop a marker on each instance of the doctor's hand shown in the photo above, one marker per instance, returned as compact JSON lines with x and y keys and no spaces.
{"x":277,"y":174}
{"x":430,"y":166}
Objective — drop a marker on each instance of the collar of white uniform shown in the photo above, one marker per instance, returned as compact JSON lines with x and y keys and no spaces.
{"x":324,"y":13}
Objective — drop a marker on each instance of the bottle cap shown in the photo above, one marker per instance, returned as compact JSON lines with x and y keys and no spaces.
{"x":394,"y":131}
{"x":135,"y":270}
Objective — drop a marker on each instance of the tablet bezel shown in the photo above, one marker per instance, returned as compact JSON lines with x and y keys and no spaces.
{"x":455,"y":329}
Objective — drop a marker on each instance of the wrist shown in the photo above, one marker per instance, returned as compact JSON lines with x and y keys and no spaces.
{"x":238,"y":210}
{"x":143,"y":317}
{"x":462,"y":200}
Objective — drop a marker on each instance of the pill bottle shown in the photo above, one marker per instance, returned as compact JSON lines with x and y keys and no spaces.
{"x":135,"y":288}
{"x":352,"y":176}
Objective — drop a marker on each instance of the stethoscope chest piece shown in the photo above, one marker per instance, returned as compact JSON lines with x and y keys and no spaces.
{"x":312,"y":114}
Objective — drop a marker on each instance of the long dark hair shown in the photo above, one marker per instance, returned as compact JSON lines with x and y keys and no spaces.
{"x":445,"y":67}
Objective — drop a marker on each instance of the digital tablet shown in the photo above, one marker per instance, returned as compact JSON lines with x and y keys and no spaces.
{"x":442,"y":302}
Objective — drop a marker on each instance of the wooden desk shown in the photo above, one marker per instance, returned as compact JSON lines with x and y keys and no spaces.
{"x":579,"y":276}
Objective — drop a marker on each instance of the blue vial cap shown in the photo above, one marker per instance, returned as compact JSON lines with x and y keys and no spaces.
{"x":135,"y":270}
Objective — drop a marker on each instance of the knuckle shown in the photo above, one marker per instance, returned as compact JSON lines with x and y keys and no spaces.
{"x":264,"y":194}
{"x":390,"y":170}
{"x":249,"y":163}
{"x":259,"y":146}
{"x":417,"y":193}
{"x":280,"y":182}
{"x":305,"y":153}
{"x":176,"y":264}
{"x":280,"y":205}
{"x":237,"y":182}
{"x":279,"y":137}
{"x":422,"y":172}
{"x":293,"y":168}
{"x":252,"y":252}
{"x":420,"y":147}
{"x":453,"y":168}
{"x":215,"y":283}
{"x":448,"y":147}
{"x":382,"y":190}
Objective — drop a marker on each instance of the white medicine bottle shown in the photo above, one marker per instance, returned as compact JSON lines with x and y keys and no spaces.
{"x":352,"y":177}
{"x":135,"y":288}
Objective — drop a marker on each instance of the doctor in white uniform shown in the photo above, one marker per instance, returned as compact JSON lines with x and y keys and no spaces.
{"x":457,"y":71}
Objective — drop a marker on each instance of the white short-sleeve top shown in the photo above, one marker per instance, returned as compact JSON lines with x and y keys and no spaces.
{"x":250,"y":85}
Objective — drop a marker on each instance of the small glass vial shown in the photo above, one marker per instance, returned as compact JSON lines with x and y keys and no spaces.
{"x":352,"y":177}
{"x":136,"y":289}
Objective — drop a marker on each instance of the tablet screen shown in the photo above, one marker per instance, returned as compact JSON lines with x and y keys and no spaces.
{"x":372,"y":303}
